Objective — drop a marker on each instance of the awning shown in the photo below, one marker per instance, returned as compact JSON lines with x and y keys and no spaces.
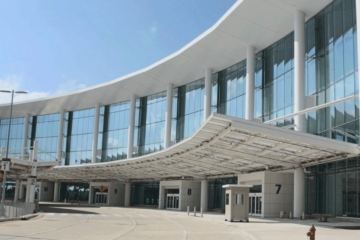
{"x":222,"y":146}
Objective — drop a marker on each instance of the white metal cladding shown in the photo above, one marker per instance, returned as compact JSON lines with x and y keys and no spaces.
{"x":222,"y":146}
{"x":259,"y":23}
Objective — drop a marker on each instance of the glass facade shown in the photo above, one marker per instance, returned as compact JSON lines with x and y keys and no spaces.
{"x":144,"y":193}
{"x":149,"y":129}
{"x":216,"y":194}
{"x":79,"y":136}
{"x":16,"y":134}
{"x":45,"y":130}
{"x":74,"y":191}
{"x":188,"y":109}
{"x":230,"y":96}
{"x":113,"y":131}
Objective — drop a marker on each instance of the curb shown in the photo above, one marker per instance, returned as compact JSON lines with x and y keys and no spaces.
{"x":19,"y":218}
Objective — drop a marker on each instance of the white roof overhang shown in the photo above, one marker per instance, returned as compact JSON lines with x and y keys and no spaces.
{"x":222,"y":146}
{"x":259,"y":23}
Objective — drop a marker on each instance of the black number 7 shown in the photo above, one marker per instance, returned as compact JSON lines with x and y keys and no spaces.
{"x":279,"y":187}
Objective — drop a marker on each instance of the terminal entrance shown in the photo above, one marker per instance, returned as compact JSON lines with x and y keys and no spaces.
{"x":172,"y":199}
{"x":255,"y":202}
{"x":101,"y":198}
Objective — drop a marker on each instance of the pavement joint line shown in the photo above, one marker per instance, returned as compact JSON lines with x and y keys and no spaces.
{"x":134,"y":226}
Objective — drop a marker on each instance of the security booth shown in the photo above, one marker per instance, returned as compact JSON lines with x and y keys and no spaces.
{"x":237,"y":202}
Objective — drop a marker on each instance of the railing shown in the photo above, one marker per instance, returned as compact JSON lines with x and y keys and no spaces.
{"x":19,"y":209}
{"x":17,"y":153}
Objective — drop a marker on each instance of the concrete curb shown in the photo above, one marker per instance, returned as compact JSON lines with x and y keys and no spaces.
{"x":20,"y":218}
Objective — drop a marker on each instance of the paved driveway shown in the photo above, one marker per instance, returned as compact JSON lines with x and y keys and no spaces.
{"x":74,"y":222}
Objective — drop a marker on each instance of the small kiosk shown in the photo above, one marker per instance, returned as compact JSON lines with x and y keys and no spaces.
{"x":237,"y":202}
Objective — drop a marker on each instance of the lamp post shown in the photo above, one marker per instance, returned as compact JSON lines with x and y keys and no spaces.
{"x":6,"y":159}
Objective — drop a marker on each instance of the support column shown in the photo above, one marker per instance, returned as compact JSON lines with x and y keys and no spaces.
{"x":60,"y":136}
{"x":204,"y":194}
{"x":207,"y":95}
{"x":127,"y":194}
{"x":17,"y":186}
{"x":299,"y":104}
{"x":299,"y":192}
{"x":95,"y":133}
{"x":25,"y":134}
{"x":299,"y":69}
{"x":161,"y":198}
{"x":56,"y":191}
{"x":131,"y":127}
{"x":27,"y":197}
{"x":33,"y":172}
{"x":169,"y":102}
{"x":250,"y":85}
{"x":358,"y":36}
{"x":90,"y":193}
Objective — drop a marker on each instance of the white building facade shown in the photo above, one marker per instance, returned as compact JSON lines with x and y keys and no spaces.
{"x":268,"y":96}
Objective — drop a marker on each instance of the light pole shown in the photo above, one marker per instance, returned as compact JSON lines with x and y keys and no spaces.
{"x":6,"y":159}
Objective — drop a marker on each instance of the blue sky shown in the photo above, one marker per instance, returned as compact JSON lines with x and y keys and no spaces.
{"x":51,"y":47}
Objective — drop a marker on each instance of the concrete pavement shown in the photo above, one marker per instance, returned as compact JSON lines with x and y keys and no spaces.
{"x":108,"y":223}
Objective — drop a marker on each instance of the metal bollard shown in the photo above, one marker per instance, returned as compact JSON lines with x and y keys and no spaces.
{"x":282,"y":214}
{"x":290,"y":215}
{"x":201,"y":212}
{"x":303,"y":216}
{"x":188,"y":209}
{"x":194,"y":211}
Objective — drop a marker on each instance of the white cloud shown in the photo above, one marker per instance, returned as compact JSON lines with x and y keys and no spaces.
{"x":14,"y":82}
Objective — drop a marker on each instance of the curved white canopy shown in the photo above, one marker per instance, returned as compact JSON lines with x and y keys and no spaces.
{"x":259,"y":23}
{"x":223,"y":146}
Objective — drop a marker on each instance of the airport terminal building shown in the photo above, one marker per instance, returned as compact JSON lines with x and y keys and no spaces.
{"x":268,"y":96}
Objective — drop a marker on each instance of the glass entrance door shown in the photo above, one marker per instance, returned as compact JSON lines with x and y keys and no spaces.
{"x":255,"y":202}
{"x":101,"y":198}
{"x":172,"y":201}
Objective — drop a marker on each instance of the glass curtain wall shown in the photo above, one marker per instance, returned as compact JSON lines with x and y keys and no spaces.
{"x":334,"y":188}
{"x":79,"y":136}
{"x":74,"y":191}
{"x":231,"y":94}
{"x":216,"y":195}
{"x":46,"y":131}
{"x":277,"y":81}
{"x":16,"y":134}
{"x":145,"y":193}
{"x":189,"y":115}
{"x":113,"y":131}
{"x":332,"y":70}
{"x":150,"y":123}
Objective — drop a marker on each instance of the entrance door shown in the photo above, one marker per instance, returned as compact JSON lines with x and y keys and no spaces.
{"x":100,"y":198}
{"x":255,"y":202}
{"x":172,"y":201}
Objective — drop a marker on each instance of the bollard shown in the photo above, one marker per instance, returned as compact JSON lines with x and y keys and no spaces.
{"x":303,"y":216}
{"x":201,"y":212}
{"x":290,"y":215}
{"x":188,"y":209}
{"x":282,"y":214}
{"x":311,"y":233}
{"x":194,"y":211}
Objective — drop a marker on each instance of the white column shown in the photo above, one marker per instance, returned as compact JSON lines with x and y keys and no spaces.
{"x":204,"y":195}
{"x":127,"y":194}
{"x":161,"y":198}
{"x":299,"y":69}
{"x":358,"y":35}
{"x":207,"y":95}
{"x":27,"y":197}
{"x":169,"y":102}
{"x":25,"y":134}
{"x":95,"y":133}
{"x":250,"y":84}
{"x":299,"y":104}
{"x":299,"y":192}
{"x":60,"y":136}
{"x":33,"y":172}
{"x":131,"y":127}
{"x":90,"y":194}
{"x":56,"y":191}
{"x":17,"y":186}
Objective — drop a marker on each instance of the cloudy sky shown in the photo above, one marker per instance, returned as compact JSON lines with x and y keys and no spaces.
{"x":51,"y":47}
